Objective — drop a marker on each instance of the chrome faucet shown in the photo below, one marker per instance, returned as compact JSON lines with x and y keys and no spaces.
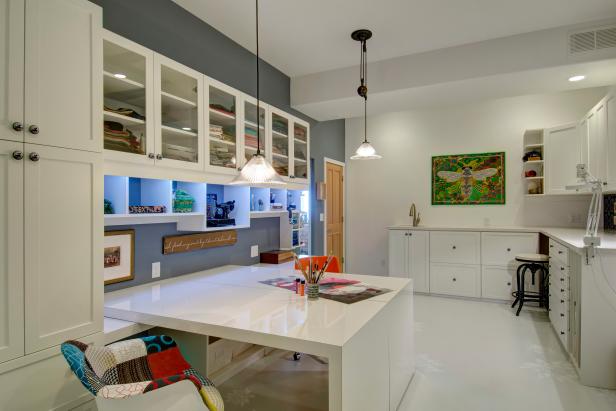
{"x":413,"y":213}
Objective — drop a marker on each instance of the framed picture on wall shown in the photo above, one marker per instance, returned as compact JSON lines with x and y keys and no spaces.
{"x":119,"y":256}
{"x":468,"y":179}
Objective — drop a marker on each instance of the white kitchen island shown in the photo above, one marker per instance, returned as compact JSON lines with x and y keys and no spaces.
{"x":368,"y":344}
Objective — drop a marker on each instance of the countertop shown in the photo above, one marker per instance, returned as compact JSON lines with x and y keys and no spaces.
{"x":229,"y":302}
{"x":571,"y":237}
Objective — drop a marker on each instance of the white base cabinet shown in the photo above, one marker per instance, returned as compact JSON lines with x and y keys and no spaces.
{"x":460,"y":263}
{"x":408,"y":257}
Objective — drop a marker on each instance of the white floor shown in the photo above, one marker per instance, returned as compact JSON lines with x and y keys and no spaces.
{"x":471,"y":356}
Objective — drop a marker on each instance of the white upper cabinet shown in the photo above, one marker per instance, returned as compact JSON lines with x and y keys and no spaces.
{"x":11,"y":251}
{"x":178,"y":100}
{"x":249,"y":142}
{"x":610,"y":113}
{"x":63,"y":55}
{"x":562,"y":154}
{"x":280,"y":138}
{"x":63,"y":233}
{"x":11,"y":70}
{"x":301,"y":151}
{"x":224,"y":123}
{"x":597,"y":142}
{"x":128,"y":102}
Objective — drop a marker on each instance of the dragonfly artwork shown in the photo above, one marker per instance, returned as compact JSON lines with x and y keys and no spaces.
{"x":467,"y":179}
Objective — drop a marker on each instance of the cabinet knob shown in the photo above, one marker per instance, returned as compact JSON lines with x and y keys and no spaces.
{"x":562,"y":333}
{"x":33,"y":129}
{"x":454,"y":247}
{"x":17,"y":126}
{"x":18,"y":155}
{"x":562,"y":290}
{"x":34,"y":156}
{"x":560,"y":252}
{"x":509,"y":249}
{"x":151,"y":156}
{"x":562,"y":268}
{"x":562,"y":315}
{"x":551,"y":245}
{"x":454,"y":279}
{"x":605,"y":183}
{"x":562,"y":301}
{"x":159,"y":156}
{"x":509,"y":283}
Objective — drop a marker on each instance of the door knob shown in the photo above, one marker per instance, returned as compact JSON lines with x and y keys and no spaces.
{"x":34,"y":156}
{"x":151,"y":156}
{"x":18,"y":155}
{"x":159,"y":156}
{"x":17,"y":126}
{"x":33,"y":129}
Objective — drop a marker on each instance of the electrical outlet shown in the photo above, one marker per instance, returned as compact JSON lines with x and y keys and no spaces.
{"x":254,"y":251}
{"x":156,"y":269}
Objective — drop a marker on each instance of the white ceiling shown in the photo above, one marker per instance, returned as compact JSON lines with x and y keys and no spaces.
{"x":309,"y":36}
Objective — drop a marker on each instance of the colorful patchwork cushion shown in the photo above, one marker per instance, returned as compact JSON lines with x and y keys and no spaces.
{"x":134,"y":367}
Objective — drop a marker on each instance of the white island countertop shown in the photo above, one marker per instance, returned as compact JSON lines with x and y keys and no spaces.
{"x":571,"y":237}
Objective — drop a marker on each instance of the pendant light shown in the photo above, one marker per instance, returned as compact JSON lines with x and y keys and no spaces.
{"x":258,"y":172}
{"x":365,"y":151}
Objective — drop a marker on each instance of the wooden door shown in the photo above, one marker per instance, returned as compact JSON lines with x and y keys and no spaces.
{"x":11,"y":69}
{"x":335,"y":211}
{"x":63,"y":76}
{"x":63,"y":233}
{"x":11,"y":252}
{"x":562,"y":155}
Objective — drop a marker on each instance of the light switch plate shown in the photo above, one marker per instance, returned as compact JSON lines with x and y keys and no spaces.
{"x":254,"y":251}
{"x":321,"y":217}
{"x":156,"y":269}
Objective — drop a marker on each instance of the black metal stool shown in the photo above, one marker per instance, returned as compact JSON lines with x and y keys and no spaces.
{"x":532,"y":263}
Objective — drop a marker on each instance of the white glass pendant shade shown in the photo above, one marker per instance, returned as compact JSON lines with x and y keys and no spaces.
{"x":365,"y":152}
{"x":258,"y":173}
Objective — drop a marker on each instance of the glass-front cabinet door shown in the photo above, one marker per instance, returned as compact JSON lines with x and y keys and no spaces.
{"x":301,"y":150}
{"x":251,"y":128}
{"x":127,"y":81}
{"x":280,"y":127}
{"x":223,"y":126}
{"x":179,"y":128}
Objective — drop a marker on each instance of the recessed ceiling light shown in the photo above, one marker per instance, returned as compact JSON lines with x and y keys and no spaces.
{"x":577,"y":78}
{"x":119,"y":75}
{"x":186,"y":128}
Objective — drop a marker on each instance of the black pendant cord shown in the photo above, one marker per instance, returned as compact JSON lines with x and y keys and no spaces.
{"x":364,"y":85}
{"x":258,"y":101}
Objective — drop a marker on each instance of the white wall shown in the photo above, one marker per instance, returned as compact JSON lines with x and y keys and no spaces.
{"x":379,"y":193}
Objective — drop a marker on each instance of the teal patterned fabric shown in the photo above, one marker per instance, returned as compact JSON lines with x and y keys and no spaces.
{"x":77,"y":361}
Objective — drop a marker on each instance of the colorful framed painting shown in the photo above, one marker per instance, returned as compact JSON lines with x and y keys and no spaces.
{"x":119,"y":256}
{"x":468,"y":179}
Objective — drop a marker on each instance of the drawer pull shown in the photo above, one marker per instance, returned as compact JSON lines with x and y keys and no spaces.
{"x":562,"y":333}
{"x":562,"y":279}
{"x":562,"y":301}
{"x":560,"y":252}
{"x":562,"y":315}
{"x":562,"y":268}
{"x":562,"y":291}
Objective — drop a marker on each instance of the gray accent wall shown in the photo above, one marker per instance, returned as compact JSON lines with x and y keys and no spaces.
{"x":264,"y":232}
{"x":326,"y":140}
{"x":165,"y":27}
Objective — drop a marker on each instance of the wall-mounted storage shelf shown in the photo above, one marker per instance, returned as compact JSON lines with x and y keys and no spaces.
{"x":532,"y":169}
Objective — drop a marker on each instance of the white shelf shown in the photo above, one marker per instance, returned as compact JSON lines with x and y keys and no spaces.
{"x":529,"y":146}
{"x":279,"y":134}
{"x":297,"y":140}
{"x":279,"y":155}
{"x":534,"y":178}
{"x":268,"y":213}
{"x":534,"y":162}
{"x":229,"y":227}
{"x":120,"y":118}
{"x":174,"y":103}
{"x":130,"y":219}
{"x":114,"y":84}
{"x":221,"y":141}
{"x":220,"y":118}
{"x":299,"y":160}
{"x":178,"y":131}
{"x":534,"y":195}
{"x":252,"y":125}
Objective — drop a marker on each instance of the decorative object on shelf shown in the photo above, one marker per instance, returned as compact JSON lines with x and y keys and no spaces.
{"x":261,"y":205}
{"x":530,"y":173}
{"x":128,"y":112}
{"x":222,"y":215}
{"x":534,"y":188}
{"x":276,"y":206}
{"x":108,"y":207}
{"x":119,"y":256}
{"x":533,"y":155}
{"x":276,"y":257}
{"x":365,"y":150}
{"x":147,"y":209}
{"x":190,"y":242}
{"x":182,"y":202}
{"x":211,"y":201}
{"x":468,"y":179}
{"x":258,"y":171}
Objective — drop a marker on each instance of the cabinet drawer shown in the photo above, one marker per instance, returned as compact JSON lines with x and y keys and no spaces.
{"x":497,"y":282}
{"x":450,"y":279}
{"x":559,"y":252}
{"x":559,"y":275}
{"x":454,"y":247}
{"x":501,"y":248}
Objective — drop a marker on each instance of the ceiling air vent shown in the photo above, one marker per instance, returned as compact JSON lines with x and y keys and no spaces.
{"x":590,"y":40}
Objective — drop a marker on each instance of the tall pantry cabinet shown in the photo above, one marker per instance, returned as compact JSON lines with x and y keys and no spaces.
{"x":51,"y":227}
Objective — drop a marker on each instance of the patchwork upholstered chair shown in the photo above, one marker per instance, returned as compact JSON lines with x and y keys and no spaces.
{"x":147,"y":373}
